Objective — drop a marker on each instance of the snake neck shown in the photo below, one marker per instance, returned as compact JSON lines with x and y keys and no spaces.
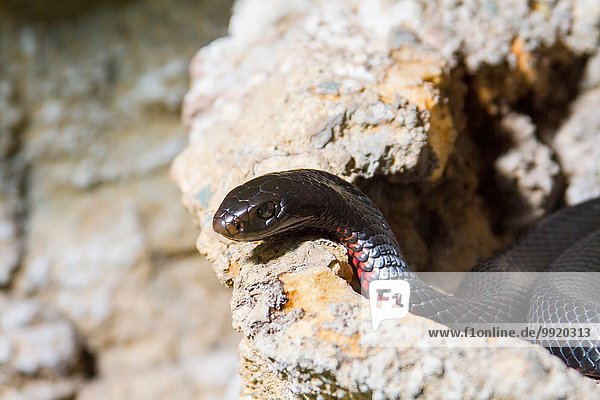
{"x":373,"y":256}
{"x":373,"y":251}
{"x":343,"y":211}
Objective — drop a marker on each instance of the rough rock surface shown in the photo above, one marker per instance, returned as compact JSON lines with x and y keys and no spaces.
{"x":577,"y":144}
{"x":10,"y":181}
{"x":527,"y":173}
{"x":103,"y":294}
{"x":398,"y":98}
{"x":35,"y":341}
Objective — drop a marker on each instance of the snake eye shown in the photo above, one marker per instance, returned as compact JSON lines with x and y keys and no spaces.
{"x":266,"y":210}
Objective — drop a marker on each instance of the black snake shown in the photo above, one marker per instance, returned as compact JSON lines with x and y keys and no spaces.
{"x":569,"y":240}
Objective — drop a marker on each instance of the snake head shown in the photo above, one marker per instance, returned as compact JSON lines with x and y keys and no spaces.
{"x":261,"y":208}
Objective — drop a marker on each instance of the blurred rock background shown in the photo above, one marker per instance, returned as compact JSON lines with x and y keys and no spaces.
{"x":103,"y":295}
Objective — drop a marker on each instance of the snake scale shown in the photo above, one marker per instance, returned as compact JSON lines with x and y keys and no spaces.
{"x":569,"y":240}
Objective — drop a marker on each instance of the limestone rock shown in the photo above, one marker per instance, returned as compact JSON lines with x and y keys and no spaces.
{"x":527,"y":172}
{"x":577,"y":144}
{"x":591,"y":78}
{"x":10,"y":246}
{"x":514,"y":31}
{"x":91,"y":108}
{"x":41,"y":390}
{"x":346,"y":105}
{"x":377,"y":94}
{"x":35,"y":340}
{"x":11,"y":119}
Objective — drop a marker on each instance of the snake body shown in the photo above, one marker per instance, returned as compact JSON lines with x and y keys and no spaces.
{"x":568,"y":240}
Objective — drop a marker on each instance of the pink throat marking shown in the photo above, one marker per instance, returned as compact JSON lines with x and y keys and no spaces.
{"x":356,"y":250}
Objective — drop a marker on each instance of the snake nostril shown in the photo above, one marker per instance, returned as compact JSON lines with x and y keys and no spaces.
{"x":238,"y":226}
{"x":227,"y":226}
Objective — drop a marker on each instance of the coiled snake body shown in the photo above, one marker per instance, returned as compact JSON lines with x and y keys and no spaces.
{"x":569,"y":240}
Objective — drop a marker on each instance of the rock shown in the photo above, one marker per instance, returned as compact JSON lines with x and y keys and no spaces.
{"x":381,"y":95}
{"x":332,"y":106}
{"x":577,"y":144}
{"x":513,"y":49}
{"x":41,"y":390}
{"x":527,"y":173}
{"x":92,"y":115}
{"x":10,"y":245}
{"x":202,"y":376}
{"x":35,"y":340}
{"x":494,"y":32}
{"x":10,"y":182}
{"x":577,"y":141}
{"x":591,"y":78}
{"x":306,"y":336}
{"x":105,"y":241}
